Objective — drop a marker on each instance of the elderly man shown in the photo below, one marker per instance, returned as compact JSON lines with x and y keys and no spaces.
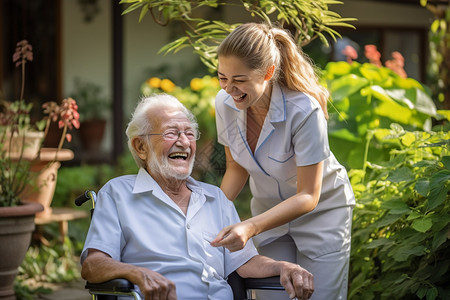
{"x":155,"y":228}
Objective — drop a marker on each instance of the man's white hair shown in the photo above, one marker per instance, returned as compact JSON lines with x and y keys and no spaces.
{"x":140,"y":124}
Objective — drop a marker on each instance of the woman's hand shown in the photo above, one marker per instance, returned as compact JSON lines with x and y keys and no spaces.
{"x":234,"y":237}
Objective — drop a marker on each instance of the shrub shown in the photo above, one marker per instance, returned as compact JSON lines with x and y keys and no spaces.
{"x":401,"y":224}
{"x":368,"y":96}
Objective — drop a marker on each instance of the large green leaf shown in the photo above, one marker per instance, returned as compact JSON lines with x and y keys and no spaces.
{"x":422,"y":224}
{"x":403,"y":253}
{"x":346,"y":85}
{"x":401,"y":174}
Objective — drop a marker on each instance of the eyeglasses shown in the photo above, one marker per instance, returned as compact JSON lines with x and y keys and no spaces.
{"x":174,"y":134}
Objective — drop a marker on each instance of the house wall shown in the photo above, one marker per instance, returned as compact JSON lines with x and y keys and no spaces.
{"x":385,"y":13}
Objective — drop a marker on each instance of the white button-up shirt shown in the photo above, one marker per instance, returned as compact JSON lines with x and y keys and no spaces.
{"x":294,"y":134}
{"x":137,"y":223}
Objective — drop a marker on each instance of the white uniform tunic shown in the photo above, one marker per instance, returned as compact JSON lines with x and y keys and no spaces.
{"x":294,"y":134}
{"x":137,"y":223}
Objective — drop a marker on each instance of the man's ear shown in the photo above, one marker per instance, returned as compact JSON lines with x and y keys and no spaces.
{"x":140,"y":147}
{"x":269,"y":73}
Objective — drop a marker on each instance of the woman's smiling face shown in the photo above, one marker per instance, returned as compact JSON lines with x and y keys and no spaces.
{"x":246,"y":86}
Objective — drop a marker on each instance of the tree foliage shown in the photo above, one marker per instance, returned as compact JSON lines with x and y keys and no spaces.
{"x":308,"y":19}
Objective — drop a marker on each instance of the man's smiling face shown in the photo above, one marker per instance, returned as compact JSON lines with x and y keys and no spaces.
{"x":170,"y":158}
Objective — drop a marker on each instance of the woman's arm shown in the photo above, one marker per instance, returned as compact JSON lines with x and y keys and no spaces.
{"x":234,"y":178}
{"x":309,"y":186}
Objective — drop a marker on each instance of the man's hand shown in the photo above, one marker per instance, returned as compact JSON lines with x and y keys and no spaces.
{"x":297,"y":281}
{"x":234,"y":237}
{"x":100,"y":267}
{"x":155,"y":286}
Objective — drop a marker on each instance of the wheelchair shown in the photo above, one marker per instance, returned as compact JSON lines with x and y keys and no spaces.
{"x":242,"y":287}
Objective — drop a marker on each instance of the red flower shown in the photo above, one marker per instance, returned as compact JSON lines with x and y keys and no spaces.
{"x":397,"y":63}
{"x":373,"y":55}
{"x":350,"y":53}
{"x":24,"y":53}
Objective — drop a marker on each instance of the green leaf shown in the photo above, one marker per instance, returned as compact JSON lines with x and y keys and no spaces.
{"x":446,"y":161}
{"x":422,"y":186}
{"x":432,"y":293}
{"x":440,"y":238}
{"x":371,"y":72}
{"x":396,"y":203}
{"x":346,"y":86}
{"x":422,"y":225}
{"x":403,"y":253}
{"x":345,"y":134}
{"x":401,"y":174}
{"x":337,"y":69}
{"x":439,"y":187}
{"x":422,"y":292}
{"x":443,"y":114}
{"x":414,"y":215}
{"x":379,"y":243}
{"x":435,"y":26}
{"x":144,"y":11}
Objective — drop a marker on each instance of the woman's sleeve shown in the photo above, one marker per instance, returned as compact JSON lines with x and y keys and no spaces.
{"x":310,"y":139}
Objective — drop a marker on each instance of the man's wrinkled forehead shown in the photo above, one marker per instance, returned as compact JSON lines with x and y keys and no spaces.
{"x":163,"y":116}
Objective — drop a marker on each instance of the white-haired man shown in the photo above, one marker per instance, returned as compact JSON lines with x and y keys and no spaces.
{"x":155,"y":228}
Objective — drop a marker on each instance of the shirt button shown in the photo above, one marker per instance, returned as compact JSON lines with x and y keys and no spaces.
{"x":188,"y":226}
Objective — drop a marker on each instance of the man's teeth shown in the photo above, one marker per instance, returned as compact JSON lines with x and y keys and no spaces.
{"x":176,"y":155}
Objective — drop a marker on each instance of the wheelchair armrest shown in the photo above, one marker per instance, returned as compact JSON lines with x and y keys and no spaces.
{"x":268,"y":283}
{"x":118,"y":285}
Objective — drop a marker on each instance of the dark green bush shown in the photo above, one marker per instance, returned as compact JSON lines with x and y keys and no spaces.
{"x":401,"y":223}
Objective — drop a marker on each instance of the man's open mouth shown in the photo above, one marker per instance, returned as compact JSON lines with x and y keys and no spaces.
{"x":178,"y":155}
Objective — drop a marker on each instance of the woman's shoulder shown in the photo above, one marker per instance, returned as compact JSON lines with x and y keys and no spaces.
{"x":299,"y":101}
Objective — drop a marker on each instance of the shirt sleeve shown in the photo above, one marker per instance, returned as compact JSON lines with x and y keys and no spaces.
{"x":310,"y":139}
{"x":104,"y":232}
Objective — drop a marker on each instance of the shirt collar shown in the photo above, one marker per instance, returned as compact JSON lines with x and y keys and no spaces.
{"x":145,"y":183}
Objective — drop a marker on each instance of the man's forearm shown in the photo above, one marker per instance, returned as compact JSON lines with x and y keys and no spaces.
{"x":98,"y":267}
{"x":259,"y":267}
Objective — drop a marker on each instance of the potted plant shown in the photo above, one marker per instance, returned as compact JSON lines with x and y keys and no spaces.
{"x":17,"y":174}
{"x":93,"y":108}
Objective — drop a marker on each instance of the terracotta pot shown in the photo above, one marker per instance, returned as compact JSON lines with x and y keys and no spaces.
{"x":43,"y":189}
{"x":91,"y":134}
{"x":16,"y":227}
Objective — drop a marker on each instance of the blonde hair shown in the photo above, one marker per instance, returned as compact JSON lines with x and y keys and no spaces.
{"x":261,"y":46}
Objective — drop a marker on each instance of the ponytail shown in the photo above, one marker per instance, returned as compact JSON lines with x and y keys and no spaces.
{"x":297,"y":71}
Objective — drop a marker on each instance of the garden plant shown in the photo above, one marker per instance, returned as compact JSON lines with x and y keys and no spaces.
{"x":401,"y":224}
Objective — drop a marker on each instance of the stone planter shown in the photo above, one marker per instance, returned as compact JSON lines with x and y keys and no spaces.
{"x":16,"y":227}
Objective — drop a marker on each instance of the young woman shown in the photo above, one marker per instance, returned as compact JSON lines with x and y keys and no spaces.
{"x":271,"y":118}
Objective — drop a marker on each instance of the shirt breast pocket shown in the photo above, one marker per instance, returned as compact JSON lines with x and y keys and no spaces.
{"x":282,"y":164}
